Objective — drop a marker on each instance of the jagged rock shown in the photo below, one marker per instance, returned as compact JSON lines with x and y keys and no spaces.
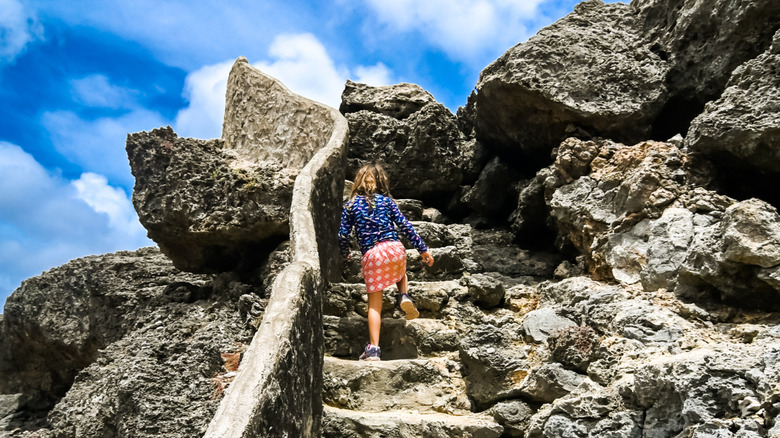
{"x":513,"y":415}
{"x":494,"y":364}
{"x":575,"y":347}
{"x":732,"y":257}
{"x":494,"y":250}
{"x":415,"y":137}
{"x":493,"y":195}
{"x":703,"y":43}
{"x":589,"y":73}
{"x":54,"y":324}
{"x":215,"y":206}
{"x":486,"y":291}
{"x":550,"y":381}
{"x":743,"y":124}
{"x":164,"y":378}
{"x":539,"y":324}
{"x":205,"y":214}
{"x":411,"y":208}
{"x":128,"y":326}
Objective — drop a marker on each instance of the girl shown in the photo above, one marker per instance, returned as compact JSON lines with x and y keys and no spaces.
{"x":372,"y":212}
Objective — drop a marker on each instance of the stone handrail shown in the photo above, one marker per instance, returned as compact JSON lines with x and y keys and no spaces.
{"x":277,"y":391}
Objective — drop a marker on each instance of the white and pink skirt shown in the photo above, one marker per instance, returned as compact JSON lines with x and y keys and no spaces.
{"x":384,"y":265}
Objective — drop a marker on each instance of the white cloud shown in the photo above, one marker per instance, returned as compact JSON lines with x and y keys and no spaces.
{"x":46,"y":220}
{"x":375,"y":75}
{"x":18,"y":27}
{"x":205,"y":90}
{"x":464,"y":29}
{"x":99,"y":145}
{"x":97,"y":92}
{"x":122,"y":218}
{"x":300,"y":61}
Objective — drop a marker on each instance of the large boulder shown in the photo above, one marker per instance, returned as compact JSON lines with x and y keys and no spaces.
{"x":416,"y":139}
{"x":741,"y":129}
{"x":220,"y":205}
{"x":588,"y":74}
{"x":703,"y":43}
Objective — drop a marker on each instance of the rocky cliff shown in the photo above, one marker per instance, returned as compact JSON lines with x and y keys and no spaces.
{"x":603,"y":215}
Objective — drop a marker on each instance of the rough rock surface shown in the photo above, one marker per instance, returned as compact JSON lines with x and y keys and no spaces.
{"x":703,"y":42}
{"x":133,"y":344}
{"x":206,"y":215}
{"x":589,"y":74}
{"x":215,"y":206}
{"x":741,"y":129}
{"x":416,"y":139}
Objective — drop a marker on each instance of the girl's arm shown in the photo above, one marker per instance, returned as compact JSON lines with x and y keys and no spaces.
{"x":345,"y":229}
{"x":406,"y":227}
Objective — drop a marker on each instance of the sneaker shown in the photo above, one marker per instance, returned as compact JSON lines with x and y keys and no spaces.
{"x":371,"y":353}
{"x":407,"y":305}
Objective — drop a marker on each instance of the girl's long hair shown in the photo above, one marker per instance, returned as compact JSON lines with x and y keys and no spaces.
{"x":370,"y":179}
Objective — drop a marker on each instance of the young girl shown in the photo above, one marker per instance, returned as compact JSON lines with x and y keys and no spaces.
{"x":372,"y":212}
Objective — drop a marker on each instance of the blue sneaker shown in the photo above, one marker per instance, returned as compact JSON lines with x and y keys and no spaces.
{"x":407,"y":305}
{"x":371,"y":353}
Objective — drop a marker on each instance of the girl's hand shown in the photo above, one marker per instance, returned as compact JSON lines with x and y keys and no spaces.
{"x":427,"y":258}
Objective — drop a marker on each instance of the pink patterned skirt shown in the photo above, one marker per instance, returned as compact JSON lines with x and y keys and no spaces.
{"x":384,"y":265}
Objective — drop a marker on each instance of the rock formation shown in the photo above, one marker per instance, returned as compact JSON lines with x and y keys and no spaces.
{"x":590,"y":73}
{"x":416,"y":139}
{"x":601,"y":269}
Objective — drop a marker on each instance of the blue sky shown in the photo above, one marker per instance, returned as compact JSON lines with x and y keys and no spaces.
{"x":77,"y":76}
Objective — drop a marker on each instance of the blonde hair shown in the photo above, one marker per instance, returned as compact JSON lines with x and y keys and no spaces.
{"x":370,"y":179}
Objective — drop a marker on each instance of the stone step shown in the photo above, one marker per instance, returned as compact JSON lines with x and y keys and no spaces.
{"x":406,"y":424}
{"x":427,"y":385}
{"x":449,"y":264}
{"x":400,"y":339}
{"x":345,"y":299}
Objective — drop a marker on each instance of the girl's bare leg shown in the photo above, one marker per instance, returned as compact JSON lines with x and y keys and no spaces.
{"x":403,"y":285}
{"x":374,"y":317}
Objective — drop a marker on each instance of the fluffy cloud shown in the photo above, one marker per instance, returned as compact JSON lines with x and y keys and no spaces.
{"x":300,"y":61}
{"x":46,"y":220}
{"x":464,"y":29}
{"x":96,"y":91}
{"x":18,"y":27}
{"x":99,"y":145}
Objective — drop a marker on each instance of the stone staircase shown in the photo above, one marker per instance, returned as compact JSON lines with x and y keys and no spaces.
{"x":419,"y":389}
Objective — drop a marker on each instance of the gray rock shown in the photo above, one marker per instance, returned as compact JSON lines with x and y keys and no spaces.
{"x":539,"y":324}
{"x":513,"y":415}
{"x":493,"y":195}
{"x":589,"y":73}
{"x":703,"y":43}
{"x":548,"y":382}
{"x":55,"y":324}
{"x":416,"y":139}
{"x":752,"y":234}
{"x":741,"y":128}
{"x":486,"y":291}
{"x":574,"y":347}
{"x":494,"y":364}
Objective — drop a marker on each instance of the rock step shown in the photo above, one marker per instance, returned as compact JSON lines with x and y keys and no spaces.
{"x":343,"y":423}
{"x":400,"y":339}
{"x":346,"y":299}
{"x":450,"y":264}
{"x":427,"y":385}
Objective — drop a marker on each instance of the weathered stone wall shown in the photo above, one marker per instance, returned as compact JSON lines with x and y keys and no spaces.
{"x":278,"y":389}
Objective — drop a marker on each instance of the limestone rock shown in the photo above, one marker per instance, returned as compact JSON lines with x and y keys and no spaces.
{"x":486,"y":291}
{"x":493,"y":363}
{"x":513,"y":415}
{"x":416,"y":139}
{"x":550,"y":381}
{"x":741,"y":129}
{"x":130,"y":342}
{"x":539,"y":324}
{"x":703,"y":43}
{"x":221,"y":205}
{"x":493,"y":195}
{"x":589,"y":74}
{"x":574,"y":347}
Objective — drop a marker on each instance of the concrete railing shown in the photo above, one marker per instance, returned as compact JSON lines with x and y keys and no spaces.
{"x":277,"y":392}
